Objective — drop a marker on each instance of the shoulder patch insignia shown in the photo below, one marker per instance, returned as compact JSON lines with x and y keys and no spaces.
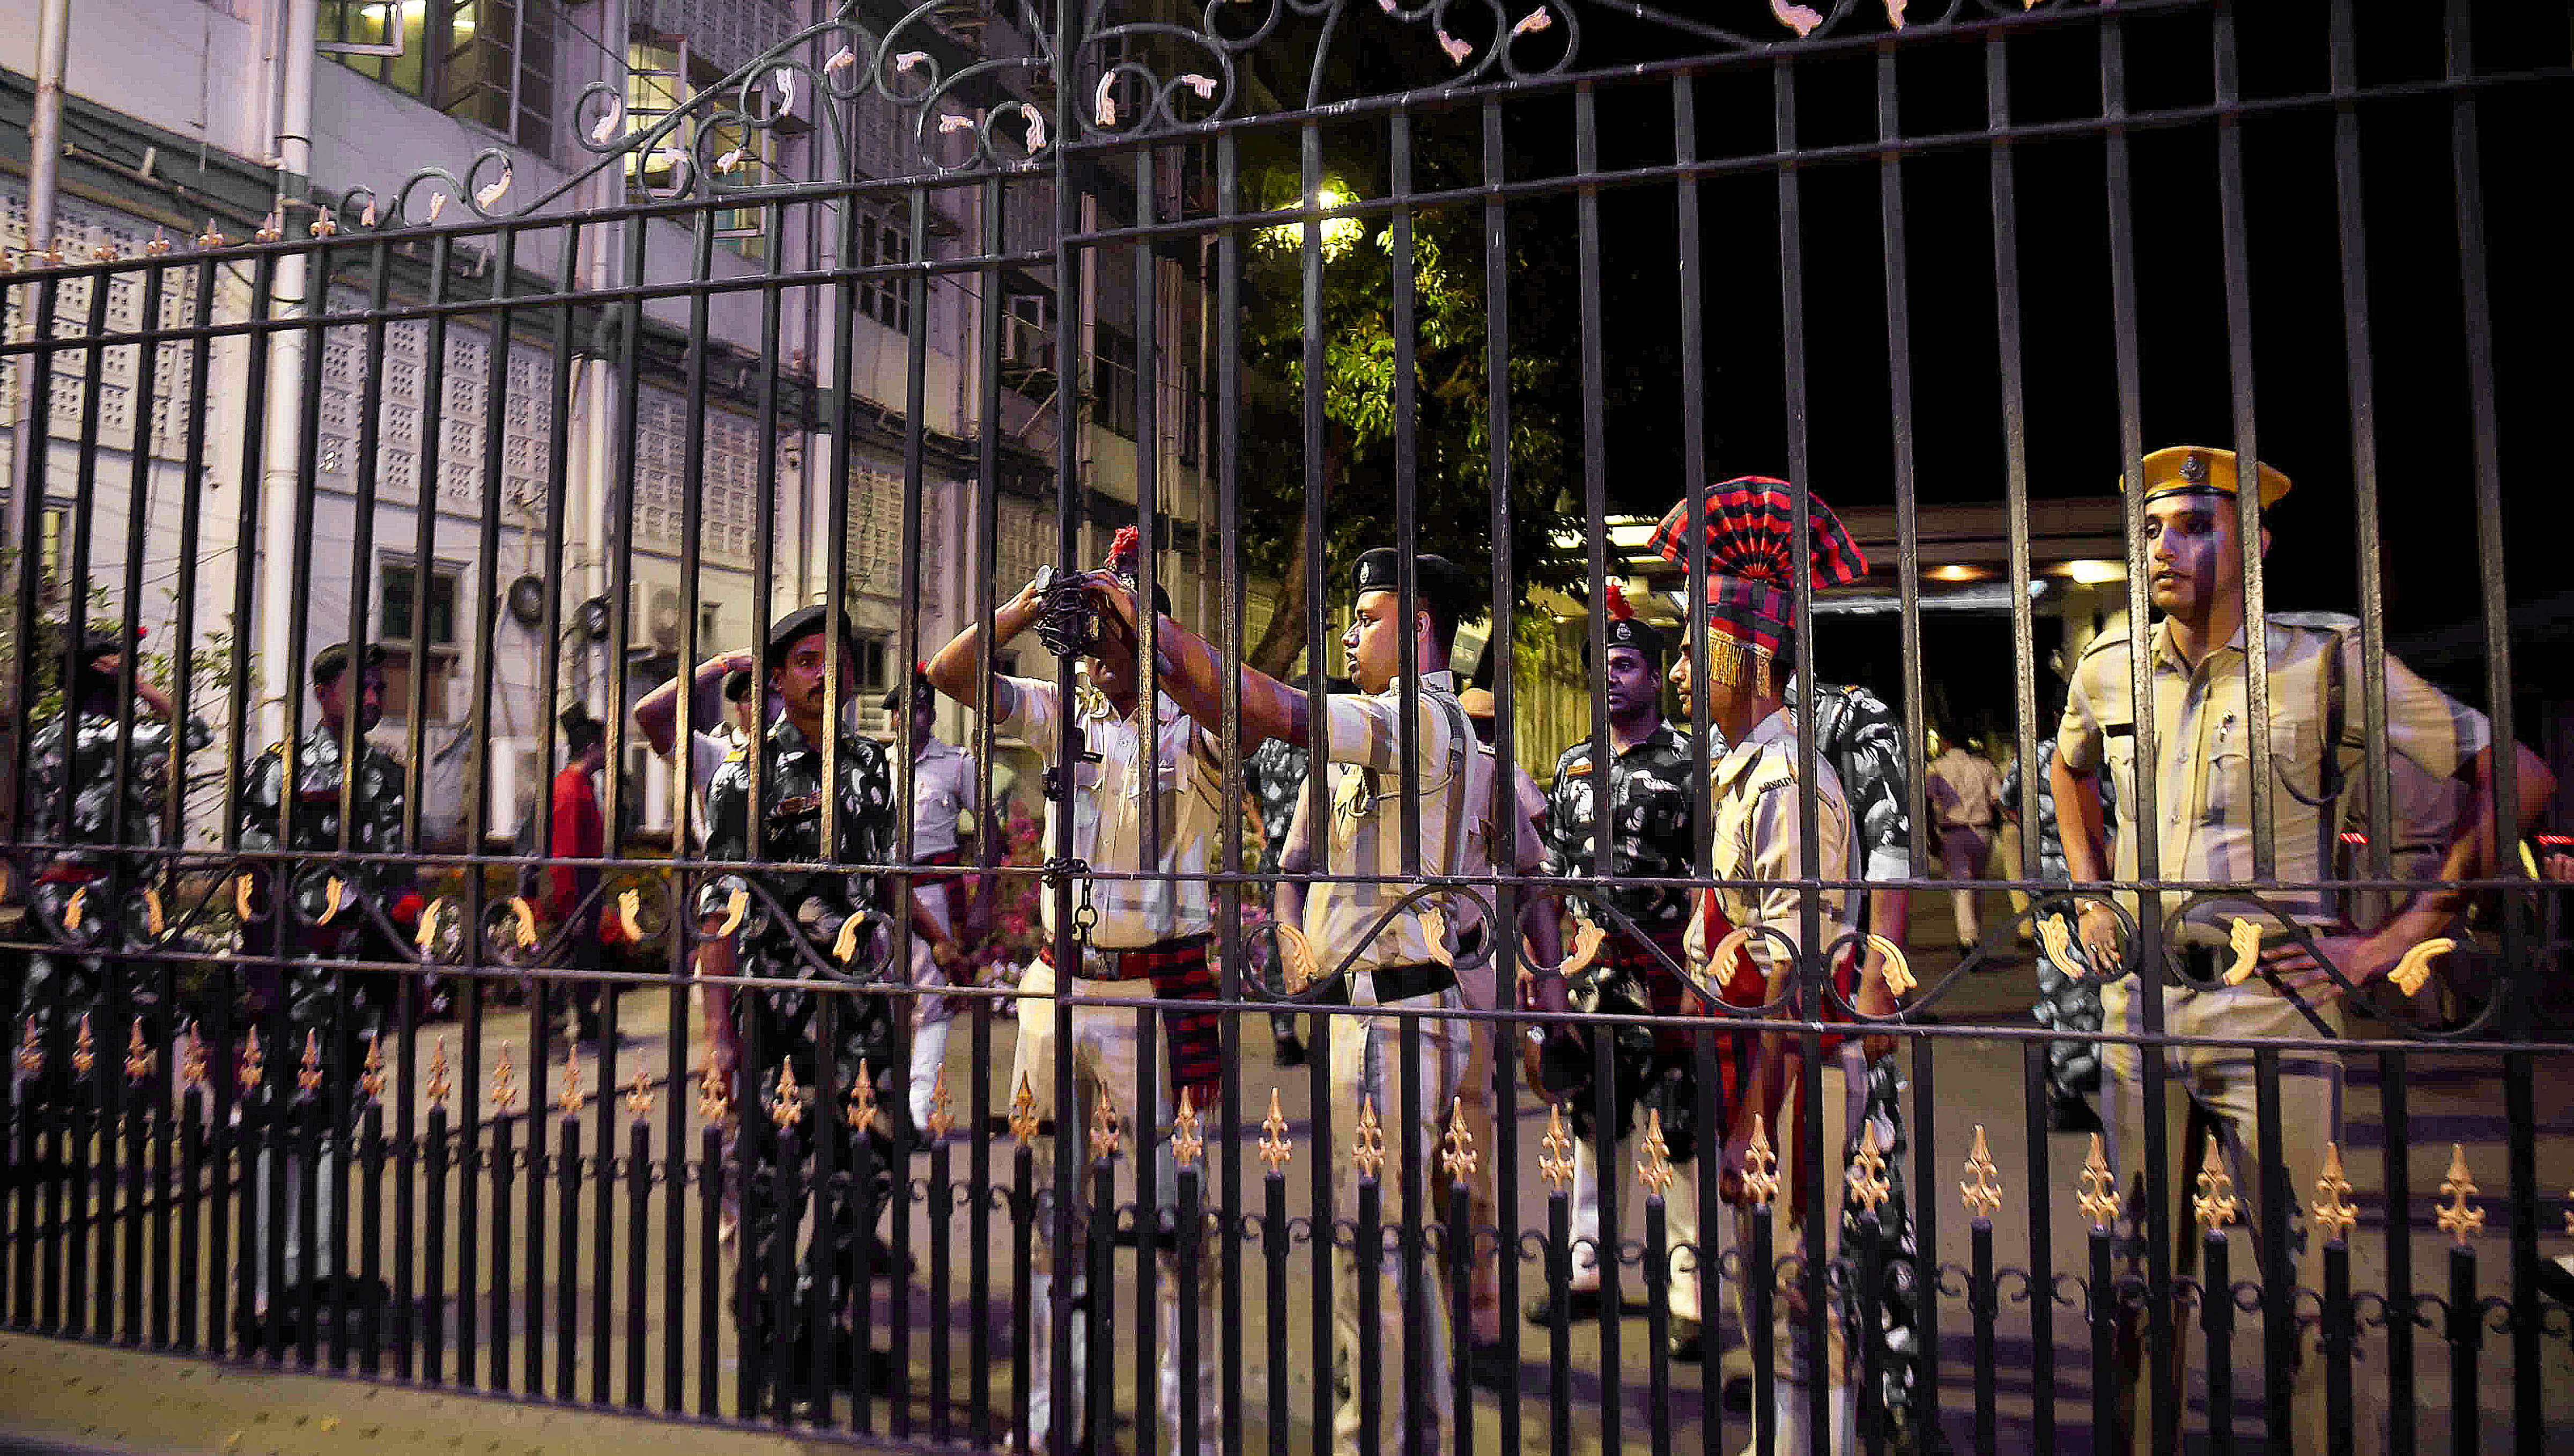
{"x":1579,"y":767}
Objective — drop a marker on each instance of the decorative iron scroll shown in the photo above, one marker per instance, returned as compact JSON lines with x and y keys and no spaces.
{"x":1117,"y":91}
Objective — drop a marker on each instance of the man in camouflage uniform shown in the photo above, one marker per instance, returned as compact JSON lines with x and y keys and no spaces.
{"x":1650,"y":822}
{"x":794,"y":923}
{"x":84,"y":905}
{"x":2065,"y":1000}
{"x":334,"y":911}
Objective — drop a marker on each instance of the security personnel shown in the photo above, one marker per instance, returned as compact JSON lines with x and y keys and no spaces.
{"x":1400,"y":965}
{"x":82,"y":907}
{"x":334,"y":911}
{"x":1758,"y":842}
{"x":822,"y":923}
{"x":2200,"y":816}
{"x":945,"y":791}
{"x":1644,"y":796}
{"x":1148,"y":940}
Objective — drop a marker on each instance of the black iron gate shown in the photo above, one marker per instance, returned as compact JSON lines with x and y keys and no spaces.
{"x":1285,"y":280}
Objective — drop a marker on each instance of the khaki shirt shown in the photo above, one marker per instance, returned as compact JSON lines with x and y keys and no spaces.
{"x":1760,"y":837}
{"x":943,"y":788}
{"x":1366,"y":734}
{"x":2202,"y":814}
{"x":1108,"y":812}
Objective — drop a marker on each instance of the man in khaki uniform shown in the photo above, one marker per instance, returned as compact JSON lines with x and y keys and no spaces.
{"x":2202,"y":818}
{"x":1148,"y":942}
{"x":1405,"y":965}
{"x":1759,"y":842}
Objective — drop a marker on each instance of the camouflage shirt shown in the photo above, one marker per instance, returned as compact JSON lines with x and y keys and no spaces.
{"x":818,"y":902}
{"x":90,"y":767}
{"x":375,"y":824}
{"x":1650,"y":830}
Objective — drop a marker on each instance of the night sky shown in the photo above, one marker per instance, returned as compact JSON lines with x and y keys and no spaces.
{"x":2300,"y":379}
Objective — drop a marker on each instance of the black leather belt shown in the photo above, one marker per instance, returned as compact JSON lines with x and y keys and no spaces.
{"x":1395,"y":983}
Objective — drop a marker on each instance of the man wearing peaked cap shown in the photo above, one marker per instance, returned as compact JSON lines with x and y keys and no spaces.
{"x":1418,"y":961}
{"x":1753,"y":562}
{"x":2206,"y":750}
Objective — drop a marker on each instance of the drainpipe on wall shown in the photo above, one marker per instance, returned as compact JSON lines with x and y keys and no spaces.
{"x":279,"y":541}
{"x":28,"y":441}
{"x":586,"y":514}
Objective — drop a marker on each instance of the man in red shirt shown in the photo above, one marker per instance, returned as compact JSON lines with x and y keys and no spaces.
{"x":579,"y":832}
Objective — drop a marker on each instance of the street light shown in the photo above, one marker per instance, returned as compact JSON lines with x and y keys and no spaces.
{"x":1338,"y":233}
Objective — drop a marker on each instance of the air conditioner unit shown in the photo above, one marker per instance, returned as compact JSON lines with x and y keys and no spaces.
{"x":1026,"y":343}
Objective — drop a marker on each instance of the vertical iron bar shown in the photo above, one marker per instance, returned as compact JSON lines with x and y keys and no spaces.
{"x":2278,"y":1279}
{"x":1147,"y":1336}
{"x":1189,"y":1223}
{"x":602,"y":1212}
{"x":192,"y":1191}
{"x":1658,"y":1325}
{"x":1100,"y":1402}
{"x":638,"y":1207}
{"x":2338,"y":1335}
{"x":568,"y":1221}
{"x":371,"y":1261}
{"x":1558,"y":1364}
{"x":941,"y":1205}
{"x":2394,"y":1096}
{"x":2042,"y":1248}
{"x":786,"y":1374}
{"x":1460,"y":1236}
{"x":2007,"y":324}
{"x":2232,"y":229}
{"x":2466,"y":1340}
{"x":2105,"y":1341}
{"x":710,"y":1273}
{"x":2157,"y":1222}
{"x":1026,"y":1218}
{"x":1274,"y":1241}
{"x":1984,"y":1303}
{"x":1761,"y":1279}
{"x":1497,"y":391}
{"x":210,"y":1180}
{"x":983,"y":534}
{"x":504,"y":1155}
{"x":1225,"y":450}
{"x":1367,"y":1243}
{"x":137,"y":1179}
{"x":2216,"y":1313}
{"x":433,"y":1332}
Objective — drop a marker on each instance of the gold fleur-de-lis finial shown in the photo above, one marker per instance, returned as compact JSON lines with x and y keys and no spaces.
{"x":638,"y":1097}
{"x":1460,"y":1159}
{"x":2459,"y":1218}
{"x":787,"y":1105}
{"x":1655,"y":1166}
{"x":1868,"y":1181}
{"x":155,"y":920}
{"x":1367,"y":1142}
{"x":308,"y":1072}
{"x":192,"y":1059}
{"x":861,"y":1101}
{"x":139,"y":1060}
{"x":1555,"y":1149}
{"x":372,"y":1080}
{"x":74,"y":909}
{"x":1274,"y":1146}
{"x":1187,"y":1141}
{"x":213,"y":236}
{"x":273,"y":229}
{"x":84,"y":1051}
{"x":505,"y":1083}
{"x":254,"y":1065}
{"x":2333,"y":1212}
{"x":31,"y":1050}
{"x":2100,"y":1200}
{"x":1761,"y":1165}
{"x":1023,"y":1113}
{"x":438,"y":1085}
{"x":2215,"y":1204}
{"x":1104,"y":1134}
{"x":160,"y":243}
{"x":714,"y":1097}
{"x":942,"y":1108}
{"x":569,"y":1099}
{"x":1982,"y":1195}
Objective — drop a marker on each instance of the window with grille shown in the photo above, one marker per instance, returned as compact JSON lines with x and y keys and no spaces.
{"x":882,"y":243}
{"x":1112,"y":378}
{"x":490,"y":62}
{"x":665,"y":74}
{"x":403,"y":606}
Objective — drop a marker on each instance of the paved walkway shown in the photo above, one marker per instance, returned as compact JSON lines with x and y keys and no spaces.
{"x":98,"y":1397}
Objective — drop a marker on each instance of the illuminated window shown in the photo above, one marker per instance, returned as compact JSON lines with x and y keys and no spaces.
{"x":490,"y":62}
{"x":665,"y":75}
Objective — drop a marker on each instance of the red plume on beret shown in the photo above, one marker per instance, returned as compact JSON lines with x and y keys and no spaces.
{"x":1619,"y":607}
{"x":1124,"y":551}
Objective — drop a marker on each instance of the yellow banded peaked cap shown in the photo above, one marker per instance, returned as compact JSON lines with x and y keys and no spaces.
{"x":2175,"y":470}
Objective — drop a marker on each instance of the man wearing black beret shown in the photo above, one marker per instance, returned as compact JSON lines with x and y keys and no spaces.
{"x":313,"y":913}
{"x":825,"y":923}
